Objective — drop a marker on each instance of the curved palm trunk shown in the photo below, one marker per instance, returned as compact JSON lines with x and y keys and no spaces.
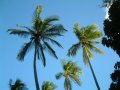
{"x":96,"y":82}
{"x":35,"y":70}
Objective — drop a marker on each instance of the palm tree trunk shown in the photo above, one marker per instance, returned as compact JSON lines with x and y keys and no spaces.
{"x":96,"y":82}
{"x":35,"y":70}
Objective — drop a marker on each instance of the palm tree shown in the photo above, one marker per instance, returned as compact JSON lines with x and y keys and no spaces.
{"x":47,"y":85}
{"x":41,"y":33}
{"x":87,"y":39}
{"x":71,"y":72}
{"x":18,"y":85}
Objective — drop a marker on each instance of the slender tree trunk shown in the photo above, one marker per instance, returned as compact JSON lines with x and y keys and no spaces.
{"x":35,"y":70}
{"x":96,"y":82}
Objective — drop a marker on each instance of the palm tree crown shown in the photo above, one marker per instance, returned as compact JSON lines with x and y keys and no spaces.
{"x":87,"y":39}
{"x":18,"y":85}
{"x":41,"y":32}
{"x":71,"y":72}
{"x":47,"y":85}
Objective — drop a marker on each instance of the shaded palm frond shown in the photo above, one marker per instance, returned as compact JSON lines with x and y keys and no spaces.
{"x":73,"y":50}
{"x":50,"y":50}
{"x":57,"y":29}
{"x":53,"y":41}
{"x":24,"y":50}
{"x":67,"y":84}
{"x":18,"y":32}
{"x":50,"y":19}
{"x":76,"y":79}
{"x":42,"y":55}
{"x":59,"y":75}
{"x":85,"y":57}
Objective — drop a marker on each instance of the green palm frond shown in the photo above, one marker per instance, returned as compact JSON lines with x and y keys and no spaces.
{"x":67,"y":84}
{"x":88,"y":52}
{"x":73,"y":50}
{"x":50,"y":50}
{"x":53,"y":42}
{"x":50,"y":19}
{"x":47,"y":85}
{"x":42,"y":55}
{"x":59,"y":75}
{"x":24,"y":50}
{"x":85,"y":57}
{"x":18,"y":32}
{"x":76,"y":79}
{"x":56,"y":29}
{"x":95,"y":49}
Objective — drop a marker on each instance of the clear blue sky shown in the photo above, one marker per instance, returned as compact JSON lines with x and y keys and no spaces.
{"x":84,"y":12}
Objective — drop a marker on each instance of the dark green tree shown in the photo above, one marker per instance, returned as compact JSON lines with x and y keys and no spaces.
{"x":18,"y":85}
{"x":86,"y":40}
{"x":115,"y":76}
{"x":47,"y":85}
{"x":71,"y":73}
{"x":112,"y":28}
{"x":40,"y":34}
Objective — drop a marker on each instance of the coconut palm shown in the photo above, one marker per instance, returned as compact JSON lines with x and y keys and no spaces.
{"x":87,"y":39}
{"x":41,"y":35}
{"x":71,"y":73}
{"x":47,"y":85}
{"x":18,"y":85}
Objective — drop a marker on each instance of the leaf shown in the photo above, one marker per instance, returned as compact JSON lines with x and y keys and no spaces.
{"x":18,"y":32}
{"x":76,"y":79}
{"x":51,"y":51}
{"x":59,"y":75}
{"x":73,"y":50}
{"x":67,"y":84}
{"x":24,"y":50}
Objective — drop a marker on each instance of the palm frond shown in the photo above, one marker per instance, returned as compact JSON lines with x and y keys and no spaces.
{"x":24,"y":50}
{"x":67,"y":84}
{"x":59,"y":75}
{"x":73,"y":50}
{"x":42,"y":55}
{"x":95,"y":49}
{"x":85,"y":57}
{"x":53,"y":41}
{"x":88,"y":52}
{"x":18,"y":32}
{"x":50,"y":19}
{"x":76,"y":79}
{"x":51,"y":51}
{"x":57,"y":29}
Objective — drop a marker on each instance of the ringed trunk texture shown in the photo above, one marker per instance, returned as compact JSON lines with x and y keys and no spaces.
{"x":35,"y":70}
{"x":95,"y":79}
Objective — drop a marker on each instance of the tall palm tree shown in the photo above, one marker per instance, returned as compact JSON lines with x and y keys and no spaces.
{"x":18,"y":85}
{"x":47,"y":85}
{"x":40,"y":34}
{"x":87,"y":39}
{"x":71,"y":72}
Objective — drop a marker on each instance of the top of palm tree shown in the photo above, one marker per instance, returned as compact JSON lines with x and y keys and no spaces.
{"x":71,"y":72}
{"x":18,"y":85}
{"x":41,"y":33}
{"x":47,"y":85}
{"x":87,"y":37}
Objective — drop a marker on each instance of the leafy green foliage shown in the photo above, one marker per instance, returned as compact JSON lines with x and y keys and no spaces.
{"x":71,"y":73}
{"x":47,"y":85}
{"x":87,"y":37}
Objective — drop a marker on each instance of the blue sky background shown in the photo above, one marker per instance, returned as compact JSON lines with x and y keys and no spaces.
{"x":84,"y":12}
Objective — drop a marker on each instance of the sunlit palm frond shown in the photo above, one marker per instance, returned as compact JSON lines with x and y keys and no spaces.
{"x":67,"y":84}
{"x":76,"y":79}
{"x":88,"y":52}
{"x":50,"y":50}
{"x":95,"y":49}
{"x":73,"y":50}
{"x":85,"y":57}
{"x":47,"y":85}
{"x":59,"y":75}
{"x":24,"y":50}
{"x":18,"y":32}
